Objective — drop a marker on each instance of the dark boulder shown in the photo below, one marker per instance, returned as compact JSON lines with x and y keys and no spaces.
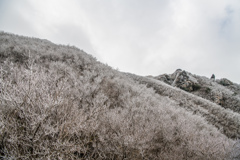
{"x":225,"y":82}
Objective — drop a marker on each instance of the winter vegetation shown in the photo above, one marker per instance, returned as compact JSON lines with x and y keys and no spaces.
{"x":58,"y":102}
{"x":227,"y":121}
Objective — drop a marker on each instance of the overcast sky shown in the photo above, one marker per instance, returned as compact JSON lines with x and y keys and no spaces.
{"x":145,"y":37}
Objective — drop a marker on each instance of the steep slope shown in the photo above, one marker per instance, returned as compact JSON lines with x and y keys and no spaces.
{"x":57,"y":102}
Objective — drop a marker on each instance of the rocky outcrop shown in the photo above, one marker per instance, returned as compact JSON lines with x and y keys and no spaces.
{"x":220,"y":91}
{"x":165,"y":78}
{"x":224,"y":82}
{"x":181,"y":79}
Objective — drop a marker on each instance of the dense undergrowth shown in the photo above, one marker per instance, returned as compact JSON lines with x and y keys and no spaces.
{"x":57,"y":102}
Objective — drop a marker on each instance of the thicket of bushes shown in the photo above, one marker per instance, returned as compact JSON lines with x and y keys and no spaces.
{"x":57,"y":102}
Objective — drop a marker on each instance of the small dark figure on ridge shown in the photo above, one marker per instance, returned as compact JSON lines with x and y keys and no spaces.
{"x":213,"y":77}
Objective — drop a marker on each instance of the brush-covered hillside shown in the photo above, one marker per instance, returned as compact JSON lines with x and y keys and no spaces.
{"x":58,"y":102}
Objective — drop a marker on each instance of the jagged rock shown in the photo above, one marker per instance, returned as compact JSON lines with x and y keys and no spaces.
{"x":190,"y":86}
{"x":225,"y":82}
{"x":181,"y":79}
{"x":185,"y":81}
{"x":165,"y":78}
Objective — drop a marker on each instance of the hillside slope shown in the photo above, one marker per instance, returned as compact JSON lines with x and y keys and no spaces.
{"x":57,"y":102}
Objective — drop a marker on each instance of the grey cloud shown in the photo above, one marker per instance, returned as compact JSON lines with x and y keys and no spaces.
{"x":74,"y":35}
{"x":12,"y":21}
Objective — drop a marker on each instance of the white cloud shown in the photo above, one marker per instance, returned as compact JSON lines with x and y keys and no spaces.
{"x":143,"y":37}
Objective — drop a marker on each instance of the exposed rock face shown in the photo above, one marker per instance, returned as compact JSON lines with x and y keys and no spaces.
{"x":220,"y":91}
{"x":181,"y":79}
{"x":225,"y":82}
{"x":165,"y":78}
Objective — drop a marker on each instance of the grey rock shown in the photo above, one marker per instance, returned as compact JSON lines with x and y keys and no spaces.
{"x":225,"y":82}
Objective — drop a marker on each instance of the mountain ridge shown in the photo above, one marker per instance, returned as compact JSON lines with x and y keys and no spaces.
{"x":220,"y":91}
